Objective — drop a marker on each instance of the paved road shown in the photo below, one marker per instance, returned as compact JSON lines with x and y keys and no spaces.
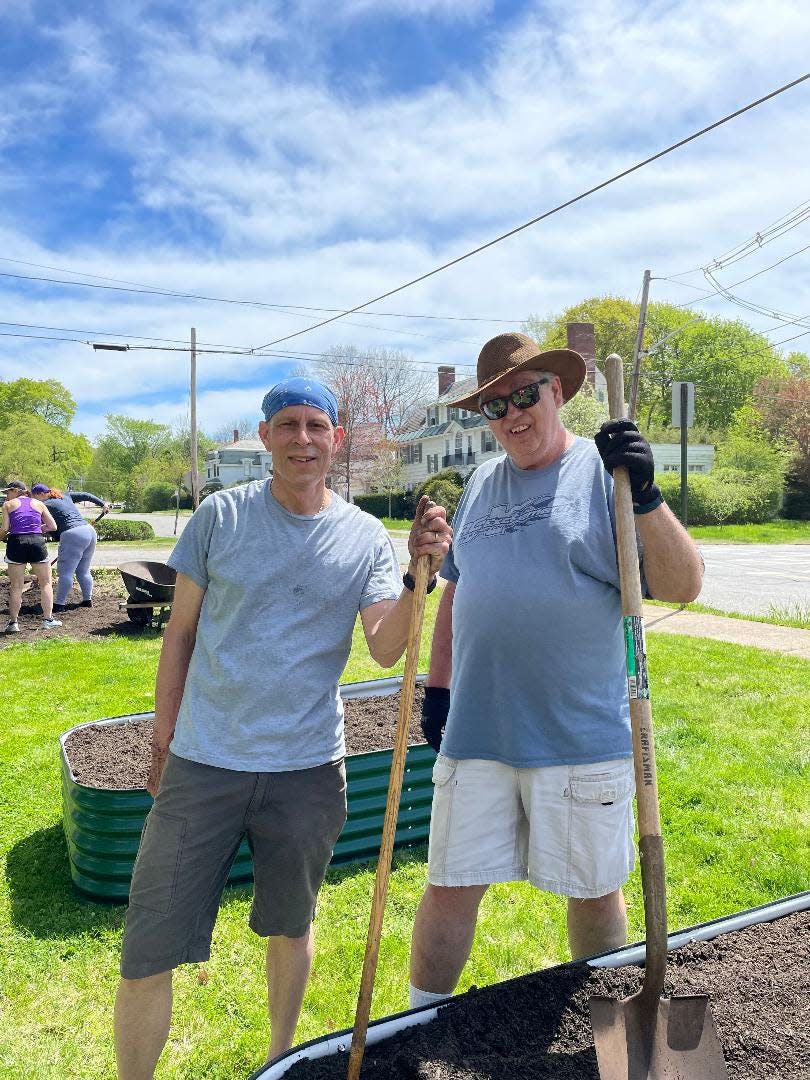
{"x":163,"y":524}
{"x":748,"y":578}
{"x":752,"y":578}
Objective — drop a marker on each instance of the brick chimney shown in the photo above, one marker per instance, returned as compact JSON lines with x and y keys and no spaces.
{"x":581,"y":339}
{"x":447,"y":376}
{"x":236,"y":434}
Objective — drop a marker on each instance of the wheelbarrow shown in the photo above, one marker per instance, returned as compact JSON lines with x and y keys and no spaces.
{"x":150,"y":591}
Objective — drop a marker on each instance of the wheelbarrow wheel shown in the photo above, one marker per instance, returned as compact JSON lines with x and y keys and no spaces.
{"x":140,"y":616}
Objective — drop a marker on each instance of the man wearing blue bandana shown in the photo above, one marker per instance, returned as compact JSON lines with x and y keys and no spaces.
{"x":248,"y":736}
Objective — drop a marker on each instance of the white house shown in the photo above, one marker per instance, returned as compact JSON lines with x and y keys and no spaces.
{"x":453,"y":438}
{"x":238,"y":462}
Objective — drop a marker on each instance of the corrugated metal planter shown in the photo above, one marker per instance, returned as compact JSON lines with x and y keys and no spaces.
{"x":339,"y":1043}
{"x":103,"y":826}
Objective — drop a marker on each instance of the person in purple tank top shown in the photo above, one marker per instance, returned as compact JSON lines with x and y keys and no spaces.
{"x":24,"y":520}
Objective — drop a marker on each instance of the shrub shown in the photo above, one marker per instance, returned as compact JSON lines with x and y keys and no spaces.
{"x":118,"y":529}
{"x":208,"y":489}
{"x":796,"y":502}
{"x":377,"y":505}
{"x":158,"y":496}
{"x":444,"y":493}
{"x":445,"y":488}
{"x":724,"y":497}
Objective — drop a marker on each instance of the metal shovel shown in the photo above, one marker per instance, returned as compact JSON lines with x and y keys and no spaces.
{"x":647,"y":1036}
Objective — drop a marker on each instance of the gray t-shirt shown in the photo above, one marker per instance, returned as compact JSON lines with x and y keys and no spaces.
{"x":282,"y":593}
{"x":538,"y":649}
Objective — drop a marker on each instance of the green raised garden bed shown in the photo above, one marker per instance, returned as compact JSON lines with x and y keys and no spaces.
{"x":103,"y":826}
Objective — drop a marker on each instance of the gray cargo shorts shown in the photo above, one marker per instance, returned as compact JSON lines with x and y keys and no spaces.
{"x":292,"y":821}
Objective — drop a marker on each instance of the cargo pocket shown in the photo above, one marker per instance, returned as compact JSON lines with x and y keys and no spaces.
{"x":443,"y":770}
{"x":157,"y":866}
{"x":602,"y":789}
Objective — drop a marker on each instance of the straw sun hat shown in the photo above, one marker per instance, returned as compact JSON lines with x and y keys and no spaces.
{"x":507,"y":353}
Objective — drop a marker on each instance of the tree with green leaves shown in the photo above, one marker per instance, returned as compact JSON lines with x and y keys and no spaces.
{"x":47,"y":399}
{"x":35,"y":451}
{"x":724,"y":358}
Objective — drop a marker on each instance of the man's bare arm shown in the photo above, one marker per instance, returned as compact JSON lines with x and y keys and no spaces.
{"x":672,"y":563}
{"x":178,"y":645}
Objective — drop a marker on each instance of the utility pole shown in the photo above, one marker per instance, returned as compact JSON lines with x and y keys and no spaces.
{"x":637,"y":352}
{"x":195,"y":479}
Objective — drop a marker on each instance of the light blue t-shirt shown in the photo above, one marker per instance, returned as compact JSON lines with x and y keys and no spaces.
{"x":282,"y":593}
{"x":538,"y":650}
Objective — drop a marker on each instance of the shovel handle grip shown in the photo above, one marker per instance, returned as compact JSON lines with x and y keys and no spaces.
{"x":651,"y":848}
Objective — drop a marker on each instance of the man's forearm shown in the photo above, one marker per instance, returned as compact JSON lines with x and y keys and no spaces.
{"x":175,"y":657}
{"x":672,"y":563}
{"x":441,"y":650}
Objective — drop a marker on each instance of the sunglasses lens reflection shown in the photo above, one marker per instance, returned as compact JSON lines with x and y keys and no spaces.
{"x":524,"y":398}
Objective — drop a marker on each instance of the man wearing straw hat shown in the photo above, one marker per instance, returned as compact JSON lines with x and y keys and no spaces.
{"x":248,"y":736}
{"x":526,"y":697}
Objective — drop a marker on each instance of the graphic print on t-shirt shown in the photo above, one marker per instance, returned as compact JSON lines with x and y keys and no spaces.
{"x":503,"y":519}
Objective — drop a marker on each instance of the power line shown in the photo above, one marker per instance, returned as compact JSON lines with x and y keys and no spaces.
{"x":284,"y":309}
{"x":224,"y":350}
{"x":547,"y":214}
{"x":749,"y":305}
{"x":789,"y":221}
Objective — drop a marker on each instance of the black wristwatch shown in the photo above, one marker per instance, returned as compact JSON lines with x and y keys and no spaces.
{"x":409,"y":582}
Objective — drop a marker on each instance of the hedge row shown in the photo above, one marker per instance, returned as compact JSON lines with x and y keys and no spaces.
{"x":402,"y":505}
{"x":723,"y":497}
{"x":124,"y":529}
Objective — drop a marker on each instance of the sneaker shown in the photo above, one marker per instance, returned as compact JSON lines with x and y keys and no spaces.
{"x":60,"y":608}
{"x":13,"y":627}
{"x":84,"y":603}
{"x":50,"y":624}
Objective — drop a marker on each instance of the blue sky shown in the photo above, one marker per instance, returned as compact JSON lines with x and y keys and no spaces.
{"x":319,"y":154}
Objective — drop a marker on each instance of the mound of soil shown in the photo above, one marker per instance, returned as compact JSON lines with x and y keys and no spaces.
{"x":538,"y":1026}
{"x":117,"y":755}
{"x":103,"y":618}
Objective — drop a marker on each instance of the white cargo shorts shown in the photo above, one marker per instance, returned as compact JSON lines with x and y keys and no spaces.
{"x":568,"y":829}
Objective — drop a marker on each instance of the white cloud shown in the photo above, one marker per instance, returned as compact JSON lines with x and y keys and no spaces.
{"x":305,"y":195}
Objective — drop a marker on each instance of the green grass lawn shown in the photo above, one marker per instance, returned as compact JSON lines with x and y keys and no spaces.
{"x":733,"y":759}
{"x":796,"y":615}
{"x":770,"y":532}
{"x":124,"y":545}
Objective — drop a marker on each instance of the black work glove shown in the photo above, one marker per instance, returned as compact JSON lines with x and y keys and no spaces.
{"x":620,"y":443}
{"x":435,"y":708}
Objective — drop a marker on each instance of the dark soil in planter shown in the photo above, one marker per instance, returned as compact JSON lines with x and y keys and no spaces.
{"x":537,"y":1027}
{"x":117,"y":755}
{"x":78,"y":623}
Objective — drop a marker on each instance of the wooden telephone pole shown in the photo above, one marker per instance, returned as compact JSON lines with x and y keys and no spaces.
{"x":195,"y":479}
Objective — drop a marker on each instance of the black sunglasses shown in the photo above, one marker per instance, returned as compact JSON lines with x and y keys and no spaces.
{"x":496,"y":408}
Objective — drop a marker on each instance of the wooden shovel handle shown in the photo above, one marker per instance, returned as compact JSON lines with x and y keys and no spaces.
{"x":651,"y":847}
{"x":390,"y":820}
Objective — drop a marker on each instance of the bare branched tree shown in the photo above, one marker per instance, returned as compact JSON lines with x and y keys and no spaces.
{"x":246,"y":426}
{"x":376,"y":390}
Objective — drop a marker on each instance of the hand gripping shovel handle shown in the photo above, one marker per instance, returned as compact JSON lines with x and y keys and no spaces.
{"x":651,"y":847}
{"x":390,"y":820}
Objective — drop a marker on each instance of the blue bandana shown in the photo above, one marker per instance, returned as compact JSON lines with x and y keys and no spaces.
{"x":300,"y":391}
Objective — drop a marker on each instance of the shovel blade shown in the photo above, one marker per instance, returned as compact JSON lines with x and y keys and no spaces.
{"x":645,"y":1038}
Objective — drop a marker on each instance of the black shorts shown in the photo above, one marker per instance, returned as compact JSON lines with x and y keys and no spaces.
{"x":26,"y":548}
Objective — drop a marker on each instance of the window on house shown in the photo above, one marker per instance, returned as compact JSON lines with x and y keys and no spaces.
{"x":487,"y":441}
{"x":419,"y":452}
